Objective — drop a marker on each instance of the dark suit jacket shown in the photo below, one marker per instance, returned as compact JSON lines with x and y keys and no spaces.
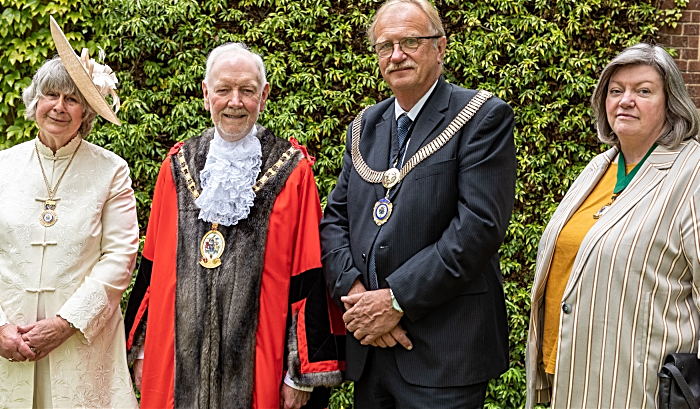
{"x":439,"y":249}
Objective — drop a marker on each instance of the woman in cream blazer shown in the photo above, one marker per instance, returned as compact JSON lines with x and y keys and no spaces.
{"x":68,"y":242}
{"x":613,"y":295}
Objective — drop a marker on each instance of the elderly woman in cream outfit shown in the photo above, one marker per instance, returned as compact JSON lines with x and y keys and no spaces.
{"x":68,"y":241}
{"x":616,"y":283}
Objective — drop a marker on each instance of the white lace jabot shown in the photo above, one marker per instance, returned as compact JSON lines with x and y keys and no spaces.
{"x":228,"y":178}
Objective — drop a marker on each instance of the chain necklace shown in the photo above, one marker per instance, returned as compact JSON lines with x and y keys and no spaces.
{"x":213,"y":243}
{"x":393,"y":176}
{"x":623,"y":179}
{"x":48,"y":216}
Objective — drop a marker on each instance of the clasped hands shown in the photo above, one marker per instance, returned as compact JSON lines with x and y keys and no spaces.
{"x":371,"y":318}
{"x":34,"y":341}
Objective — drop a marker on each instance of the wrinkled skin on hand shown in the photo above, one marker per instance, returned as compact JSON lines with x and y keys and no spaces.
{"x":46,"y":335}
{"x":397,"y":335}
{"x":373,"y":320}
{"x":291,"y":398}
{"x":356,"y":288}
{"x":13,"y":346}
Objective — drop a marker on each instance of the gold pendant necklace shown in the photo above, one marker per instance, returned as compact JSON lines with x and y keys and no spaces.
{"x":213,"y":243}
{"x":48,"y":216}
{"x":605,"y":208}
{"x":393,"y":176}
{"x":212,"y":247}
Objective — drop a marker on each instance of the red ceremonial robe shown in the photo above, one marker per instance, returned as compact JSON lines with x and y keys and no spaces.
{"x":292,"y":248}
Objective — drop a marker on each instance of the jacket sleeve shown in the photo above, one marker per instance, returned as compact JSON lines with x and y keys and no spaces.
{"x":338,"y":265}
{"x":486,"y":181}
{"x":690,"y":239}
{"x":3,"y":317}
{"x":315,"y":335}
{"x":90,"y":307}
{"x":136,"y":317}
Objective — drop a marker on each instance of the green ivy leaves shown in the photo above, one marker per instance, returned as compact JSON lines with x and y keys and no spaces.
{"x":540,"y":56}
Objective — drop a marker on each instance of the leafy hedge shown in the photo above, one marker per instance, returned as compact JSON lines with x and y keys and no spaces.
{"x":542,"y":57}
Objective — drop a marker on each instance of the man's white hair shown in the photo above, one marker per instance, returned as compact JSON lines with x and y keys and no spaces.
{"x":235,"y":50}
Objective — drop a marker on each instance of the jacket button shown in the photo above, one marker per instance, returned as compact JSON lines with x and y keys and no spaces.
{"x":566,"y":308}
{"x":364,"y":257}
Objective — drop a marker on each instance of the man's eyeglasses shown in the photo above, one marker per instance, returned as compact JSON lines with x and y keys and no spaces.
{"x":408,"y":45}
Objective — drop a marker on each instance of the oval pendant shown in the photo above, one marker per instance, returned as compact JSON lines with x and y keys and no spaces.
{"x":212,"y":247}
{"x":382,"y":211}
{"x":48,"y":218}
{"x":391,"y":178}
{"x":601,"y":212}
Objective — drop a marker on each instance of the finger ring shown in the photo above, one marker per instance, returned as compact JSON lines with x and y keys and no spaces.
{"x":32,"y":349}
{"x":10,"y":359}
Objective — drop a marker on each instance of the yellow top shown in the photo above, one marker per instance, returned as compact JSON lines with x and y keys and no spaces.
{"x":568,"y":243}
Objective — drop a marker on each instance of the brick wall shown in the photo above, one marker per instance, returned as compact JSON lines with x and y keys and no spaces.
{"x":684,"y":38}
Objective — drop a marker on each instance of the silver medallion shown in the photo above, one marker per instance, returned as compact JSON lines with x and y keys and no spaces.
{"x":391,"y":178}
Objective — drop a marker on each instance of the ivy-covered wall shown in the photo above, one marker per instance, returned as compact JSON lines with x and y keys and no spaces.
{"x":541,"y":56}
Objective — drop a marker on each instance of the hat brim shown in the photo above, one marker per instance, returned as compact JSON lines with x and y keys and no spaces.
{"x":81,"y":78}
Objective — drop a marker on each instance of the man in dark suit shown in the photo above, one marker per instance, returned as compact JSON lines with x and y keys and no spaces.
{"x":412,"y":255}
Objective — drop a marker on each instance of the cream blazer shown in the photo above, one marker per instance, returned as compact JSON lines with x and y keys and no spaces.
{"x":81,"y":265}
{"x":632,"y":296}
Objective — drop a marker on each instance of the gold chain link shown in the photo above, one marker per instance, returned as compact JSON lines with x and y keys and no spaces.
{"x":271,"y":172}
{"x":373,"y":176}
{"x":46,"y":181}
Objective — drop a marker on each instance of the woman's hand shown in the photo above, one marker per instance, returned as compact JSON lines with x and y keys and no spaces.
{"x":46,"y":335}
{"x":12,"y":346}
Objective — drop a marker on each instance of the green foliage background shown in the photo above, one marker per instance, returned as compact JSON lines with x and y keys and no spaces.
{"x":541,"y":56}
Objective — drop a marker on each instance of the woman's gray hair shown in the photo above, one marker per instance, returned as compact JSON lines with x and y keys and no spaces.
{"x":681,"y":113}
{"x":53,"y":77}
{"x":436,"y":26}
{"x":235,"y":50}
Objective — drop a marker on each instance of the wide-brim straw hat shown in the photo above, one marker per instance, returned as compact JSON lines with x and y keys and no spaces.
{"x":80,"y":76}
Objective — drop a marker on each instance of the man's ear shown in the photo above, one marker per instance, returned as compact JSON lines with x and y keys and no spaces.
{"x":265,"y":93}
{"x":206,"y":95}
{"x":441,"y":46}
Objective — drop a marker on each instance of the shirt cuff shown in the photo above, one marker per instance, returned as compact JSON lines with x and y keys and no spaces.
{"x":394,"y":302}
{"x":288,"y":380}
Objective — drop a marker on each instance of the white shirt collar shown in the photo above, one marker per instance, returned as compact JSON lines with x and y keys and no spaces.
{"x":413,"y":113}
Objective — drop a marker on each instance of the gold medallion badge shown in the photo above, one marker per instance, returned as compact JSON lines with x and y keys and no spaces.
{"x":48,"y":217}
{"x":212,"y":247}
{"x":382,"y":211}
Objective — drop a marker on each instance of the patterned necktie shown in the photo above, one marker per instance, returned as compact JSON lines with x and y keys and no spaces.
{"x":404,"y":124}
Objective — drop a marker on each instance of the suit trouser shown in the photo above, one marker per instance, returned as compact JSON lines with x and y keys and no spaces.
{"x":381,"y":386}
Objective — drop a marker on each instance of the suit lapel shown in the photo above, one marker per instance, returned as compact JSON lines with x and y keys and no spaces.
{"x":376,"y":148}
{"x":652,"y":173}
{"x":571,"y":202}
{"x":429,"y":118}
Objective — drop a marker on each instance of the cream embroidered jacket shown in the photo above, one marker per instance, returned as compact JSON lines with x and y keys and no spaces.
{"x":81,"y":265}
